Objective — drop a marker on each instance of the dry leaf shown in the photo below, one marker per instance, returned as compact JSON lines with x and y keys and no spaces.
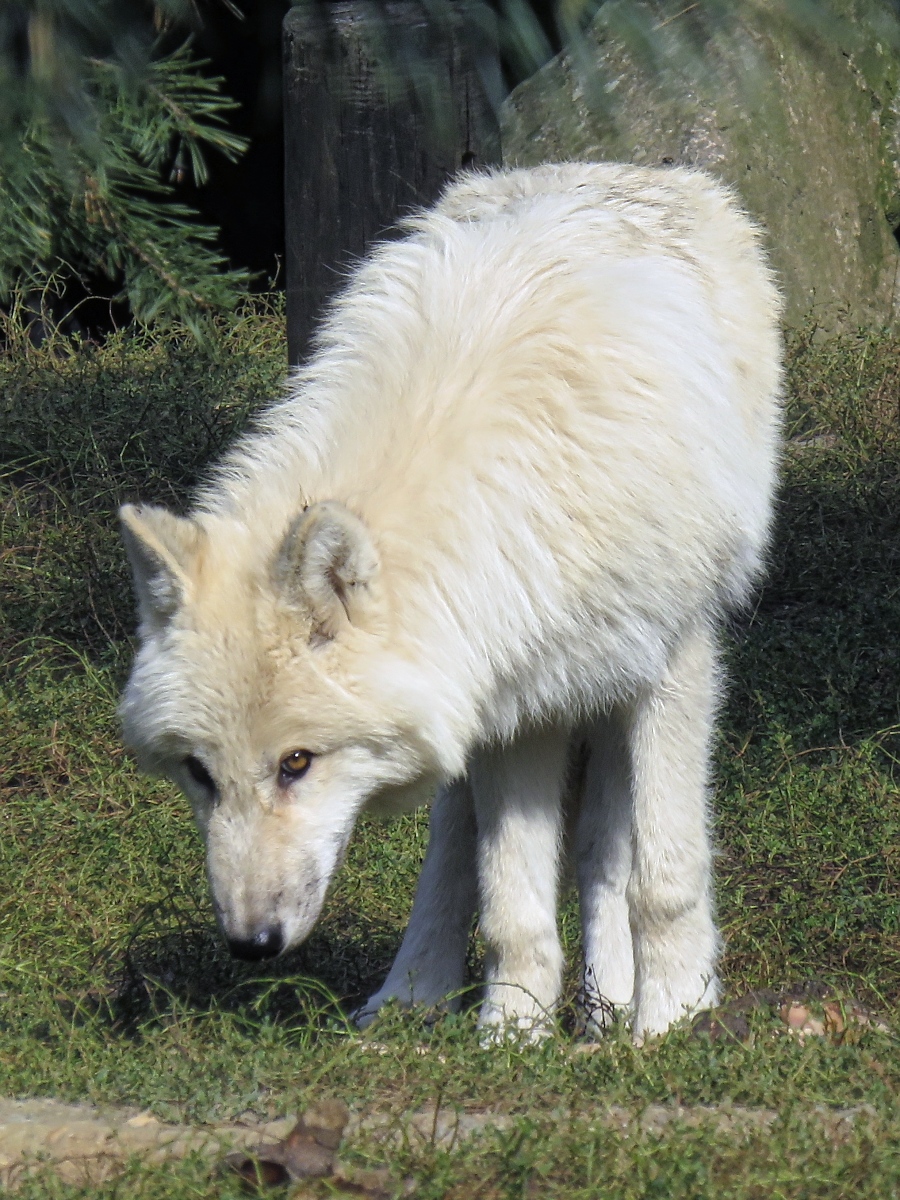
{"x":308,"y":1151}
{"x":257,"y":1173}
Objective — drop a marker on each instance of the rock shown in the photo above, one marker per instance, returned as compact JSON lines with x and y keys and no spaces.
{"x":731,"y":1021}
{"x":812,"y":1009}
{"x":805,"y":130}
{"x":446,"y":1128}
{"x":88,"y":1144}
{"x":808,"y":1009}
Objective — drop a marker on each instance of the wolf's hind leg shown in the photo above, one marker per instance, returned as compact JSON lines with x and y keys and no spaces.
{"x":602,"y":853}
{"x":670,"y":892}
{"x":430,"y":964}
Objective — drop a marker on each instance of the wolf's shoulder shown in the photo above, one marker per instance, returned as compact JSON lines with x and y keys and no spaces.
{"x":481,"y":195}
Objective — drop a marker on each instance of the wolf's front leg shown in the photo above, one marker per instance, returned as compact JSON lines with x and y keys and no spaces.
{"x":517,"y":792}
{"x":670,"y":891}
{"x":430,"y":964}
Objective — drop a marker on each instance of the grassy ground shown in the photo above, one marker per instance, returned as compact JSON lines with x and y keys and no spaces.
{"x":114,"y":986}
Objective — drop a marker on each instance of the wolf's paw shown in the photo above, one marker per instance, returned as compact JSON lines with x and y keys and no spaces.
{"x":519,"y":1021}
{"x":363,"y":1016}
{"x":406,"y":1000}
{"x":522,"y":1031}
{"x":658,"y":1009}
{"x":596,"y":1013}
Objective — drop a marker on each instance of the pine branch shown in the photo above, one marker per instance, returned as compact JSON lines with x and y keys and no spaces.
{"x":90,"y":190}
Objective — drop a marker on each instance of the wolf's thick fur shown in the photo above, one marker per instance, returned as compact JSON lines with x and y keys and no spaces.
{"x":501,"y":512}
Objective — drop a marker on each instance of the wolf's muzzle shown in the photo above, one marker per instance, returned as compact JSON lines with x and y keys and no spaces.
{"x":265,"y":943}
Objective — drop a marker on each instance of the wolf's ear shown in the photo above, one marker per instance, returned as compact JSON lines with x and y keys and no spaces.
{"x":160,"y":547}
{"x":329,"y":564}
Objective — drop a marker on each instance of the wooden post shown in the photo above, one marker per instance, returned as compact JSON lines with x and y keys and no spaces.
{"x":384,"y":101}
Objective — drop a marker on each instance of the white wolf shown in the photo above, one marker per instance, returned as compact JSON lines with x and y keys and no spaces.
{"x":500,"y":513}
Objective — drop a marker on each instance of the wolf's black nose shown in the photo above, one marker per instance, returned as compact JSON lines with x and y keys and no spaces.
{"x":265,"y":943}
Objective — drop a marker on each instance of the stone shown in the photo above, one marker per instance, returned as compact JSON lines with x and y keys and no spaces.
{"x":805,"y":129}
{"x":87,"y":1144}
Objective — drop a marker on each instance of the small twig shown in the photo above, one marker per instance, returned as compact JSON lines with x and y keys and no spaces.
{"x":437,"y":1110}
{"x":675,"y":16}
{"x":852,"y":863}
{"x":817,"y":750}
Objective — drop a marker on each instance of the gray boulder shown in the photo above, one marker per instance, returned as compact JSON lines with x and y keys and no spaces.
{"x":805,"y":130}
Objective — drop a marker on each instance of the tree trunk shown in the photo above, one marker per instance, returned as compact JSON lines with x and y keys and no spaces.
{"x":384,"y":102}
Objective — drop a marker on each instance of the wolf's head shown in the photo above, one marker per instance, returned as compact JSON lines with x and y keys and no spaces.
{"x":266,"y":688}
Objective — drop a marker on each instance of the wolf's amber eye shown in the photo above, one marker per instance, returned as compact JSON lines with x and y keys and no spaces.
{"x":294,"y":765}
{"x":199,"y":773}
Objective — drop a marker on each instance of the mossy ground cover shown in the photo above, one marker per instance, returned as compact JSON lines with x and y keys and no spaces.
{"x":114,"y":986}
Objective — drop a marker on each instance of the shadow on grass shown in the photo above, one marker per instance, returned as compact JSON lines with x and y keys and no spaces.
{"x":817,"y":654}
{"x":175,"y":957}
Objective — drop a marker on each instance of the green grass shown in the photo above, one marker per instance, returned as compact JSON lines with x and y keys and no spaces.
{"x":114,"y":986}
